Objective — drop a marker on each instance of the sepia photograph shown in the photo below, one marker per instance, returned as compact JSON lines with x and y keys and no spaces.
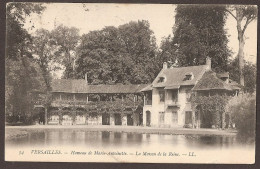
{"x":130,"y":83}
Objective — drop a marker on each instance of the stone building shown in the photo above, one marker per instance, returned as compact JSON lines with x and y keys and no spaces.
{"x":167,"y":101}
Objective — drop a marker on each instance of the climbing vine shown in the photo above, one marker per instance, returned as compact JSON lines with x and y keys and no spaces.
{"x":212,"y":109}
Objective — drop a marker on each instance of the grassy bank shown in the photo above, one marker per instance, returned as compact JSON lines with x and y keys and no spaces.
{"x":12,"y":134}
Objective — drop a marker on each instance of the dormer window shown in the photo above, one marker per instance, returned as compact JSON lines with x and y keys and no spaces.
{"x":161,"y":79}
{"x":189,"y":76}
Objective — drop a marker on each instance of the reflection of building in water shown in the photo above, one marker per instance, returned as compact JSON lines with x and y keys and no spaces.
{"x":164,"y":103}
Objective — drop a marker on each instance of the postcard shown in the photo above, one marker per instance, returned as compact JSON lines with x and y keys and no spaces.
{"x":130,"y":83}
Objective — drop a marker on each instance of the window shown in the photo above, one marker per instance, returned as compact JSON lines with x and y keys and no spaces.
{"x":188,"y":95}
{"x":174,"y":117}
{"x":161,"y":117}
{"x":161,"y":79}
{"x":162,"y":96}
{"x":189,"y":76}
{"x":175,"y":96}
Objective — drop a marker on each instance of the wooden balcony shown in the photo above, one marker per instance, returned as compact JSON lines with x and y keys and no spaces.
{"x":108,"y":105}
{"x":172,"y":103}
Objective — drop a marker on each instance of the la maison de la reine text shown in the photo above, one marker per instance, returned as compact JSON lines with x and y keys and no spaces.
{"x":166,"y":102}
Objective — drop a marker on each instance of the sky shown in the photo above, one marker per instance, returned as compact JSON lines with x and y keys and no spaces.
{"x":88,"y":17}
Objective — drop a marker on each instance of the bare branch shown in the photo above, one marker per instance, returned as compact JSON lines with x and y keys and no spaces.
{"x":231,"y":14}
{"x":248,"y":21}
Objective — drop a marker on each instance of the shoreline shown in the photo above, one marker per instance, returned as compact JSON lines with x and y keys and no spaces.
{"x":127,"y":129}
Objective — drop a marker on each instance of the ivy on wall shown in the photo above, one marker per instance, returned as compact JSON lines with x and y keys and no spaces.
{"x":212,"y":110}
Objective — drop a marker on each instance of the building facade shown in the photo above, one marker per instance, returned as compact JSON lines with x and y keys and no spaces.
{"x":75,"y":102}
{"x":167,"y":101}
{"x":164,"y":103}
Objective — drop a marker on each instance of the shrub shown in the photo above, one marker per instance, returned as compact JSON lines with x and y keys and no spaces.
{"x":243,"y":114}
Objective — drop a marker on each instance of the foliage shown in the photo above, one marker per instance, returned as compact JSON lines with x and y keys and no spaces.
{"x":199,"y":32}
{"x":118,"y":55}
{"x":167,"y":52}
{"x":22,"y":77}
{"x":66,"y":39}
{"x":243,"y":111}
{"x":16,"y":36}
{"x":21,"y":72}
{"x":212,"y":108}
{"x":249,"y":72}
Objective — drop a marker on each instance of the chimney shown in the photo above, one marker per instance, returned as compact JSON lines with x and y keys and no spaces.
{"x":165,"y":65}
{"x":208,"y":62}
{"x":86,"y":78}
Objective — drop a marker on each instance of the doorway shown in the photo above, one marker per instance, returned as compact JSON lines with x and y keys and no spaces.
{"x":130,"y":120}
{"x":148,"y":118}
{"x":118,"y":120}
{"x":105,"y":119}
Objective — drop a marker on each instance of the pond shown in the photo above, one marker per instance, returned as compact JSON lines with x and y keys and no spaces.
{"x":82,"y":139}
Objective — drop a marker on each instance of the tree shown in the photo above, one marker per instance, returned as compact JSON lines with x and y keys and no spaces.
{"x":43,"y":50}
{"x":249,"y":73}
{"x":21,"y":75}
{"x":199,"y":32}
{"x":246,"y":13}
{"x":126,"y":54}
{"x":17,"y":37}
{"x":66,"y":40}
{"x":243,"y":114}
{"x":167,"y":52}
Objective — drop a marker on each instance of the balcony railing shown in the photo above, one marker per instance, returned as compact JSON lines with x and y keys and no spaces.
{"x":119,"y":104}
{"x":148,"y":102}
{"x":173,"y":103}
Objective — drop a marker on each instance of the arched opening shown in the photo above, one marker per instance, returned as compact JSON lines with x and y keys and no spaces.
{"x":80,"y":116}
{"x":53,"y":116}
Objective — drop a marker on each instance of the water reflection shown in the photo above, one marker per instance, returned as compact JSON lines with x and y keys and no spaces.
{"x":74,"y":137}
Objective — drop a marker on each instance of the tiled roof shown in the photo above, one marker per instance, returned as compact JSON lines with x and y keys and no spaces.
{"x":235,"y":85}
{"x":177,"y":75}
{"x":80,"y":86}
{"x":147,"y":88}
{"x":210,"y":81}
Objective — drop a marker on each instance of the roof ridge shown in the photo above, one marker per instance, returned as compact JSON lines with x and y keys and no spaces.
{"x":186,"y":66}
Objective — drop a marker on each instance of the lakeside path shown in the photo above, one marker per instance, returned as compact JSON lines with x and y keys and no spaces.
{"x":130,"y":129}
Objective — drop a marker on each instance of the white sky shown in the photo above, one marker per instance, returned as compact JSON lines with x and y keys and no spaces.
{"x":160,"y":17}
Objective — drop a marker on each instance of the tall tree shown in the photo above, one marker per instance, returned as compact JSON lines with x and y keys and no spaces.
{"x":20,"y":71}
{"x":199,"y":32}
{"x":43,"y":49}
{"x":67,"y":38}
{"x":247,"y":14}
{"x":118,"y":55}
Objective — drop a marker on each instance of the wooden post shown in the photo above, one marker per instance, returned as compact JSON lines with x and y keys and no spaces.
{"x":193,"y":119}
{"x":199,"y":119}
{"x":178,"y":94}
{"x":46,"y":116}
{"x":144,"y":99}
